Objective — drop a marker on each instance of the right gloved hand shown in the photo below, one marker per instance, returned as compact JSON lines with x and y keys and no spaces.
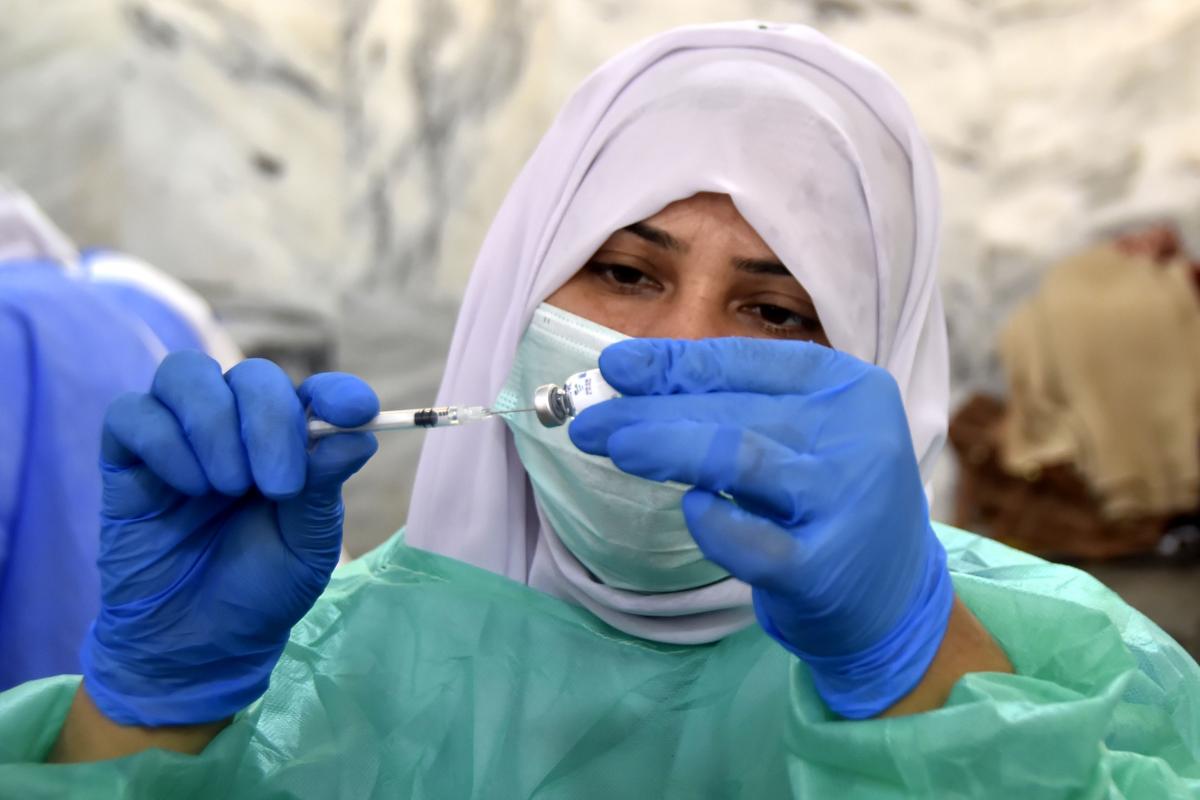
{"x":219,"y":529}
{"x":806,"y":487}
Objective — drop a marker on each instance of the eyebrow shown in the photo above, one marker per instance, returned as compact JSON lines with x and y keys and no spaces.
{"x":656,"y":236}
{"x":761,"y":266}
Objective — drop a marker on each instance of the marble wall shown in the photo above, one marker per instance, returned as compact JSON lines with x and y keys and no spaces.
{"x":324,"y":170}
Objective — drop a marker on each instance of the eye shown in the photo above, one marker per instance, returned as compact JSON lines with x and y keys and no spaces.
{"x":622,"y":277}
{"x":782,"y":321}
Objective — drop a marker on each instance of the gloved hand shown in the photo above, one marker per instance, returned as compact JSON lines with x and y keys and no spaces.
{"x":828,"y":521}
{"x":219,"y":529}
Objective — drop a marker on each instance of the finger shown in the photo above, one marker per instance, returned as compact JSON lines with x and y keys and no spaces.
{"x":134,"y":492}
{"x":759,"y":473}
{"x":763,"y":366}
{"x":749,"y":547}
{"x":341,"y":399}
{"x":272,"y":427}
{"x":162,"y":522}
{"x":311,"y":523}
{"x":784,"y":419}
{"x":334,"y":459}
{"x":191,"y":385}
{"x":139,"y":429}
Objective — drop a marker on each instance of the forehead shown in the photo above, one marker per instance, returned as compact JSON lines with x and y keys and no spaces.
{"x":709,"y":215}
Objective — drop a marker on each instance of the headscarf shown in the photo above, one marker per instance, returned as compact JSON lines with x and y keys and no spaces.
{"x":821,"y":155}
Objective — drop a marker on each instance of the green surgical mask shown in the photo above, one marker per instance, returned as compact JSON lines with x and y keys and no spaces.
{"x":627,"y":530}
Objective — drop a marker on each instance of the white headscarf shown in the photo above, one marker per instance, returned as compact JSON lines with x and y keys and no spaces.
{"x":820,"y":154}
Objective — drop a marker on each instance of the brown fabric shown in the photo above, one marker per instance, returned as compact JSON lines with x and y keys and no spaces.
{"x":1050,"y":512}
{"x":1160,"y":244}
{"x":1103,"y":366}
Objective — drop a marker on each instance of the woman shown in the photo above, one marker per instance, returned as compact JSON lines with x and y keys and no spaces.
{"x":747,"y":181}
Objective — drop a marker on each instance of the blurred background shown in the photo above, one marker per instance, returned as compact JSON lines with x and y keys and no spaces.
{"x":322,"y":172}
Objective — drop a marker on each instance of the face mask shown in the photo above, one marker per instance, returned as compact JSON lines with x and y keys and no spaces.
{"x":627,"y":530}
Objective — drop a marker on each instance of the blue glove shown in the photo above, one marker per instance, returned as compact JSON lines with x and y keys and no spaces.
{"x":219,"y":529}
{"x":828,"y":522}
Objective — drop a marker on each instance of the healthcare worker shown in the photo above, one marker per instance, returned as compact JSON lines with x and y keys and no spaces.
{"x":76,"y":331}
{"x":723,"y":584}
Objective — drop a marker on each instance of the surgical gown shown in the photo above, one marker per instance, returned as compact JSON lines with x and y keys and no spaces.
{"x":67,"y":349}
{"x":417,"y":676}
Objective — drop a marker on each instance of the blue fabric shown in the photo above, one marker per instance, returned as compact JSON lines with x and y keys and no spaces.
{"x":805,"y":486}
{"x":175,"y":332}
{"x":65,"y":353}
{"x":220,"y":527}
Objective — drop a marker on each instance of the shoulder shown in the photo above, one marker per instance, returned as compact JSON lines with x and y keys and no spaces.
{"x":977,"y":559}
{"x":1041,"y":611}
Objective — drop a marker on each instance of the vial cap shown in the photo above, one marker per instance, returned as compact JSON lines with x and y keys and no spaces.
{"x":549,"y":406}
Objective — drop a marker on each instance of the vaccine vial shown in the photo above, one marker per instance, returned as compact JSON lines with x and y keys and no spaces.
{"x":555,"y":404}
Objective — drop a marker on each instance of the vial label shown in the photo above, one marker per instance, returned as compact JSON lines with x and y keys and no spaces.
{"x":586,"y":389}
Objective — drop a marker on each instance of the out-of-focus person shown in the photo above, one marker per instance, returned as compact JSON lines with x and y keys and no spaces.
{"x":76,"y":331}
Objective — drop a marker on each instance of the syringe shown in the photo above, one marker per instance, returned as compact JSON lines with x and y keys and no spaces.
{"x":409,"y":418}
{"x":554,"y":405}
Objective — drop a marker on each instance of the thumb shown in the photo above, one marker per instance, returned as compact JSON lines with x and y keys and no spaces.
{"x":311,"y":522}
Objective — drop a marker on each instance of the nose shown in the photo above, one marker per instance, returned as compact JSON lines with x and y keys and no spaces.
{"x":687,"y":318}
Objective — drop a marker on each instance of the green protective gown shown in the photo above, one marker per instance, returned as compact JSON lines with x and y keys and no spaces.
{"x":418,"y":676}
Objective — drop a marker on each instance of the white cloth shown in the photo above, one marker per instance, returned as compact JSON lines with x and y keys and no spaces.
{"x":27,"y":234}
{"x":819,"y":153}
{"x":118,"y":268}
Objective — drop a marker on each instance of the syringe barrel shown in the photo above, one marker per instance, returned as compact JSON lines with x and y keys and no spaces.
{"x":406,"y":418}
{"x":400,"y":419}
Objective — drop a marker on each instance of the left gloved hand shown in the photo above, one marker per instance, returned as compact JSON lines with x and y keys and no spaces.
{"x":828,"y":521}
{"x":220,"y":526}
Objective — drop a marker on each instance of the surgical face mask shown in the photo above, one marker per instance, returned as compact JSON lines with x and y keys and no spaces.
{"x":627,"y":530}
